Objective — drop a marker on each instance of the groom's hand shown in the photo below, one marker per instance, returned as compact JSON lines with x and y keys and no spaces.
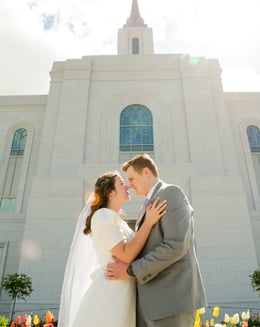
{"x":117,"y":270}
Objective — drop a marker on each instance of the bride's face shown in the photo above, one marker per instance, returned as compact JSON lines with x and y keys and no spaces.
{"x":121,"y":190}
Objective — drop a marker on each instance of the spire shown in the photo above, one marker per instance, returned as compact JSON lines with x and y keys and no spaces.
{"x":135,"y":19}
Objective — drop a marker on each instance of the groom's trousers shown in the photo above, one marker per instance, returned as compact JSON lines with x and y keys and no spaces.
{"x":185,"y":319}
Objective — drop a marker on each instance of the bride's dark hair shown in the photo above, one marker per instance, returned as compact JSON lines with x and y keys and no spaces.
{"x":105,"y":184}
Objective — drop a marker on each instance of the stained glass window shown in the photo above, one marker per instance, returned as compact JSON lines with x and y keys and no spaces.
{"x":19,"y":141}
{"x":136,"y":129}
{"x":253,"y":135}
{"x":13,"y":172}
{"x":135,"y":45}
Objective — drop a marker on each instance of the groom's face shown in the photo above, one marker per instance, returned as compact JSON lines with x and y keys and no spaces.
{"x":137,"y":181}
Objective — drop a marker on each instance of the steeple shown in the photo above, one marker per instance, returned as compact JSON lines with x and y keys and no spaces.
{"x":135,"y":19}
{"x":135,"y":38}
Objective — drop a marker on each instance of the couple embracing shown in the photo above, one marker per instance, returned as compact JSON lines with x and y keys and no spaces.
{"x":117,"y":278}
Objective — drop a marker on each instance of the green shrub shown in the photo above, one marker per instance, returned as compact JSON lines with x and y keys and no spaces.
{"x":17,"y":286}
{"x":255,"y":280}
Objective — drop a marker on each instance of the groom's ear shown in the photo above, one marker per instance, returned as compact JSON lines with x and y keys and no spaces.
{"x":146,"y":171}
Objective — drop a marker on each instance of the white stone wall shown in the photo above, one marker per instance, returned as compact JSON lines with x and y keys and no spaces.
{"x":244,"y":110}
{"x":18,"y":112}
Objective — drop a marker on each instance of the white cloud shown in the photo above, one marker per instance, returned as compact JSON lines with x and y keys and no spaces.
{"x":35,"y":33}
{"x":242,"y":79}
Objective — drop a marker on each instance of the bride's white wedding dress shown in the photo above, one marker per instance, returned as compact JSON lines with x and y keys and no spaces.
{"x":107,"y":303}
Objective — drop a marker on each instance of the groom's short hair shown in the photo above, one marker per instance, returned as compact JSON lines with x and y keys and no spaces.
{"x":140,"y":162}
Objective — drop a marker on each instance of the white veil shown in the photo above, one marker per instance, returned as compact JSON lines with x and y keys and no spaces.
{"x":82,"y":261}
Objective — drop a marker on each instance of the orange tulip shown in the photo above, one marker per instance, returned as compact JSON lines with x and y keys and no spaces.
{"x":18,"y":320}
{"x":48,"y":317}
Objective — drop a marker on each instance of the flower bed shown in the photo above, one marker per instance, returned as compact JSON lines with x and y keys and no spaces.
{"x":30,"y":320}
{"x":244,"y":319}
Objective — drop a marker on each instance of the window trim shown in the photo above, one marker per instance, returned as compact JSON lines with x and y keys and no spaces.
{"x":4,"y":247}
{"x":253,"y":187}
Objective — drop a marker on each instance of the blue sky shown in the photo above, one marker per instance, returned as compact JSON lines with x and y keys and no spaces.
{"x":35,"y":33}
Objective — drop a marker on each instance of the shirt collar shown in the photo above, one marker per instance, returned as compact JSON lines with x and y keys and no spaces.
{"x":148,"y":196}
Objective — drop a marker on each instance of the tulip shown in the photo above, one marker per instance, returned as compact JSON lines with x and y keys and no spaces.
{"x":18,"y":320}
{"x":212,"y":322}
{"x":49,"y":317}
{"x":28,"y":321}
{"x":244,"y":324}
{"x":36,"y":320}
{"x":245,"y":315}
{"x":206,"y":323}
{"x":216,"y":312}
{"x":24,"y":318}
{"x":235,"y":319}
{"x":226,"y":318}
{"x":13,"y":324}
{"x":201,"y":311}
{"x":197,"y":322}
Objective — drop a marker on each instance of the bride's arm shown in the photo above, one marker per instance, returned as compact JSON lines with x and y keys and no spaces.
{"x":127,"y":251}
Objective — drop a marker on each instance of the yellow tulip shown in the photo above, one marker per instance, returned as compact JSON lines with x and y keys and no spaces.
{"x":212,"y":322}
{"x":216,"y":312}
{"x":201,"y":311}
{"x":36,"y":320}
{"x":206,"y":323}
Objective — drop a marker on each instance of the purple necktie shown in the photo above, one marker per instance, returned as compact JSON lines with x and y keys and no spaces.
{"x":141,"y":213}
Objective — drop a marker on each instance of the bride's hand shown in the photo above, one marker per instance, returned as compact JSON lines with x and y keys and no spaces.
{"x":155,"y":211}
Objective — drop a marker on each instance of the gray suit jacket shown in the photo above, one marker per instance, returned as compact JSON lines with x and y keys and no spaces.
{"x":167,"y":271}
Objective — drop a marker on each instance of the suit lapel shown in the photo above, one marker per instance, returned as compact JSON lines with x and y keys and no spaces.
{"x":153,"y":197}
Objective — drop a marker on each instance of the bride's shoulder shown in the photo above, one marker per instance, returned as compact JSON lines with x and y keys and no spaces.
{"x":105,"y":215}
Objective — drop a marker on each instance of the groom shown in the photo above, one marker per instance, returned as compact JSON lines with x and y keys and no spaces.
{"x":169,"y":284}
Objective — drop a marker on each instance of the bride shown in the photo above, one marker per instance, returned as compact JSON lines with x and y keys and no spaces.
{"x":88,"y":298}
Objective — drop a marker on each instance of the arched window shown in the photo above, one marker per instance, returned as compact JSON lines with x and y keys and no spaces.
{"x":136,"y":129}
{"x":135,"y":45}
{"x":13,"y":172}
{"x":253,"y":135}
